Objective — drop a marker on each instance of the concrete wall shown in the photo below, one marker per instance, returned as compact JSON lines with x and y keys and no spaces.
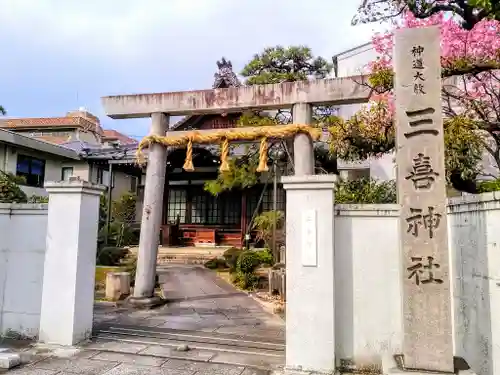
{"x":80,"y":169}
{"x":22,"y":251}
{"x":122,"y":184}
{"x":122,"y":181}
{"x":368,"y":277}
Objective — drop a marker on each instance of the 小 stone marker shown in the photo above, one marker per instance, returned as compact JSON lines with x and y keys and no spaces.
{"x":421,"y":179}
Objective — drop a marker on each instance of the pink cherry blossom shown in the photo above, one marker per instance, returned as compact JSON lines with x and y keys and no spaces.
{"x":478,"y":94}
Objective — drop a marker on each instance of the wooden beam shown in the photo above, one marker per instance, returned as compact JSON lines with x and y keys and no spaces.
{"x":335,"y":91}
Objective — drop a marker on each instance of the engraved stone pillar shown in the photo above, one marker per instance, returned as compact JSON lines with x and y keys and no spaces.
{"x":151,"y":216}
{"x":310,"y":323}
{"x":428,"y":343}
{"x":303,"y":153}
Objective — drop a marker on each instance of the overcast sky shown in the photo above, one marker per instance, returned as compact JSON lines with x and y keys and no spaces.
{"x":58,"y":55}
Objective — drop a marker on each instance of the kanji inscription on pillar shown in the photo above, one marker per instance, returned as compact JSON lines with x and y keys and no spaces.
{"x":309,"y":239}
{"x":421,"y":182}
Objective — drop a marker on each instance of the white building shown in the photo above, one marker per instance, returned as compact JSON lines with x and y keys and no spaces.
{"x":350,"y":63}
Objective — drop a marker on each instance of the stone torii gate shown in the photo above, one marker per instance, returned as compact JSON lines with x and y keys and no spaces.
{"x":310,"y":342}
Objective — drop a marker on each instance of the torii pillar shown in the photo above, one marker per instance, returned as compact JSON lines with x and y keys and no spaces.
{"x":151,"y":216}
{"x":310,"y":314}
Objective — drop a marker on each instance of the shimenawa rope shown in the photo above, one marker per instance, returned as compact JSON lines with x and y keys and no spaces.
{"x":224,"y":137}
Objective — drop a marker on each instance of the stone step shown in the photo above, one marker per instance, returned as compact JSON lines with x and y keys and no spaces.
{"x":183,"y":259}
{"x":251,"y":336}
{"x":244,"y":353}
{"x":120,"y":348}
{"x":202,"y":342}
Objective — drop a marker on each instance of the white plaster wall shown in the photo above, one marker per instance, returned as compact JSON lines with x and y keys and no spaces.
{"x":22,"y":252}
{"x":474,"y":229}
{"x":367,"y":290}
{"x":368,"y":301}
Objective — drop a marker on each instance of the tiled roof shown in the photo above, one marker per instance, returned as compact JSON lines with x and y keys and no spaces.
{"x":53,"y":139}
{"x":13,"y":138}
{"x":44,"y":122}
{"x":113,"y":134}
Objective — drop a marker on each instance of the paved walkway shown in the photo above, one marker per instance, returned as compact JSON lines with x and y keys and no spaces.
{"x":198,"y":301}
{"x":227,"y":332}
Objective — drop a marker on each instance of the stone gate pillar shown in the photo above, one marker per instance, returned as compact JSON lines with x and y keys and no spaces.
{"x":151,"y":215}
{"x":69,"y":270}
{"x":310,"y":323}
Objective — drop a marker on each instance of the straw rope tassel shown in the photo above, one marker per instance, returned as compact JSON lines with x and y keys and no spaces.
{"x":188,"y":164}
{"x":249,"y":134}
{"x":263,"y":156}
{"x":224,"y":165}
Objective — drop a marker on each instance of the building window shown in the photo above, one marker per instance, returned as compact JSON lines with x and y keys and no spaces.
{"x":192,"y":205}
{"x":103,"y":177}
{"x":134,"y":183}
{"x":177,"y":202}
{"x":213,"y":210}
{"x":267,"y":199}
{"x":66,"y":173}
{"x":199,"y":208}
{"x":232,"y":208}
{"x":32,"y":169}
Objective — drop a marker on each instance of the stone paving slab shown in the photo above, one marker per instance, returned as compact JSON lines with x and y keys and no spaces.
{"x":114,"y":346}
{"x":81,"y":366}
{"x":141,"y":360}
{"x":194,"y":354}
{"x":248,"y":360}
{"x":106,"y":363}
{"x":128,"y":369}
{"x":32,"y":371}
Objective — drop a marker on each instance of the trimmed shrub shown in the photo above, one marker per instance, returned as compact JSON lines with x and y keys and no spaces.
{"x":266,"y":257}
{"x":111,"y":256}
{"x":245,"y":281}
{"x":231,"y":256}
{"x":248,"y":261}
{"x":216,"y":264}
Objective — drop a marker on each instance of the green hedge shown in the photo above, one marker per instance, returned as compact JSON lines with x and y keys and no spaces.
{"x":10,"y":192}
{"x":365,"y":190}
